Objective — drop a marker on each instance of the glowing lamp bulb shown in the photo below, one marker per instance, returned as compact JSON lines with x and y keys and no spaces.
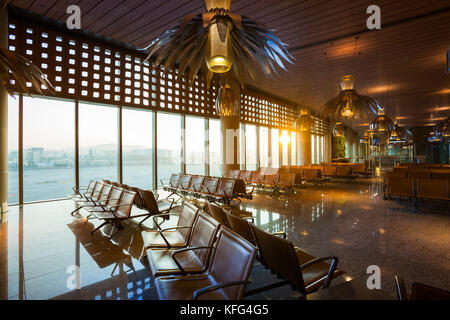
{"x":219,"y":64}
{"x":347,"y":112}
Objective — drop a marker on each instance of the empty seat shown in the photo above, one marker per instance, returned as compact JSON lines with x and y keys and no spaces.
{"x":191,"y":259}
{"x":185,"y":182}
{"x":173,"y":182}
{"x":117,"y":212}
{"x":329,"y":171}
{"x":218,"y":213}
{"x":177,"y":236}
{"x":209,"y":185}
{"x":245,"y":175}
{"x":256,"y":178}
{"x":270,"y":180}
{"x":303,"y":271}
{"x":359,"y":168}
{"x":419,"y":291}
{"x":153,"y":206}
{"x":399,"y":187}
{"x":231,"y":262}
{"x":419,"y":175}
{"x":196,"y":183}
{"x":433,"y":189}
{"x":440,"y":175}
{"x":343,"y":171}
{"x":233,"y":174}
{"x":224,"y":191}
{"x":284,"y":184}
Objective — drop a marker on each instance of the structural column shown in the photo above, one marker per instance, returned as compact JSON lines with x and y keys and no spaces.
{"x":305,"y":152}
{"x":229,"y":142}
{"x":3,"y":125}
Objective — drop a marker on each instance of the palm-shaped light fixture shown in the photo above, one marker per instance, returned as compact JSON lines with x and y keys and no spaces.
{"x":219,"y":42}
{"x":17,"y":69}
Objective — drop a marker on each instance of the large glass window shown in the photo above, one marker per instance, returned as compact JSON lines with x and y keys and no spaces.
{"x":169,"y":144}
{"x":98,"y":137}
{"x":195,"y":145}
{"x":293,"y":148}
{"x":250,"y":144}
{"x":13,"y":150}
{"x":49,"y":145}
{"x":215,"y":149}
{"x":275,"y":159}
{"x":313,"y":149}
{"x":318,"y":150}
{"x":242,"y":146}
{"x":264,"y":146}
{"x":137,"y":148}
{"x":285,"y":140}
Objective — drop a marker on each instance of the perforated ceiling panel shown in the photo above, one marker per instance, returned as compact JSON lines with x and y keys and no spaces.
{"x":88,"y":70}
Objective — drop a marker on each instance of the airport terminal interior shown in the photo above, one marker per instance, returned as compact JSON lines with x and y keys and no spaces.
{"x":224,"y":150}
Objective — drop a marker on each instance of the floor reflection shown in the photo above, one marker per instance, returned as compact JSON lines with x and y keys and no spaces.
{"x":45,"y":253}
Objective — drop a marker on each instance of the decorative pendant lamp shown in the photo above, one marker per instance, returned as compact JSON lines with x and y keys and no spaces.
{"x":218,"y":42}
{"x":304,"y":122}
{"x":349,"y":105}
{"x":218,"y":52}
{"x":382,"y":123}
{"x":442,"y":129}
{"x":398,"y":134}
{"x":227,"y":102}
{"x":339,"y":129}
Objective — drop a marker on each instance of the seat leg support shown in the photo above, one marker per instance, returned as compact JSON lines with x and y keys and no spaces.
{"x":92,"y":232}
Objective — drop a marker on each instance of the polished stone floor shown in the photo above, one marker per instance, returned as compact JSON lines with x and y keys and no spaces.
{"x":45,"y":253}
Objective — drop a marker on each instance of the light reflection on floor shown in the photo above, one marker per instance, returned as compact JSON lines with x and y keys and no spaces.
{"x":46,"y":253}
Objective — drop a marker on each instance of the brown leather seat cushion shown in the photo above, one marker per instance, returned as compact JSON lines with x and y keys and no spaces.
{"x":164,"y":205}
{"x":152,"y":239}
{"x":315,"y":275}
{"x":162,"y":263}
{"x":176,"y":238}
{"x":400,"y":187}
{"x":203,"y":234}
{"x":433,"y":189}
{"x":232,"y":260}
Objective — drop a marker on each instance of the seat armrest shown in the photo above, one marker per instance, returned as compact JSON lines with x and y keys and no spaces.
{"x":183,"y":250}
{"x":400,"y":288}
{"x":330,"y":274}
{"x":162,"y":215}
{"x":250,"y":219}
{"x":207,"y":289}
{"x":282,"y":234}
{"x":161,"y":232}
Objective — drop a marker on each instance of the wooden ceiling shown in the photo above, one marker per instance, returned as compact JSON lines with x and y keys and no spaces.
{"x":403,"y":65}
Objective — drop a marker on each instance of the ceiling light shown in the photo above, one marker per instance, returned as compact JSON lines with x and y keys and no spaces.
{"x":219,"y":42}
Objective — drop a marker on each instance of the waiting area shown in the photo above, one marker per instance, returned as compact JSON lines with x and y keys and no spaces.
{"x":246,"y":152}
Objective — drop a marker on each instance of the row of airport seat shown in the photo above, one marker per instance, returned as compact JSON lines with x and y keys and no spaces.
{"x":112,"y":202}
{"x":209,"y":255}
{"x":416,"y":188}
{"x":220,"y":190}
{"x":424,"y":173}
